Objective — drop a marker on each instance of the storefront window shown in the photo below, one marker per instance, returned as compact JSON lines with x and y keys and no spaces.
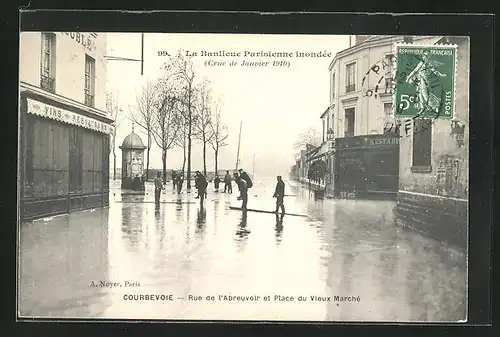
{"x":48,"y":166}
{"x":75,"y":160}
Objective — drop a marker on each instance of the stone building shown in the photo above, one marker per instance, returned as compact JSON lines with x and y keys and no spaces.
{"x":361,"y":104}
{"x":434,"y":166}
{"x":64,"y":128}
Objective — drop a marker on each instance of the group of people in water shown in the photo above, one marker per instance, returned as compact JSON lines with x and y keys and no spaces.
{"x":242,"y":179}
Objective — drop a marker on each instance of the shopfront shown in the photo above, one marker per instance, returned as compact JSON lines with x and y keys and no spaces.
{"x":64,"y":156}
{"x":366,"y":167}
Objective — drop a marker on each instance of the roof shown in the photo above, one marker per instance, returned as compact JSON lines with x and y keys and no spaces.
{"x":132,"y":141}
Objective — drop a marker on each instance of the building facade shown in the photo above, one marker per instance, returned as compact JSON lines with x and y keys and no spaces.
{"x":434,"y":166}
{"x":361,"y":104}
{"x":64,"y":128}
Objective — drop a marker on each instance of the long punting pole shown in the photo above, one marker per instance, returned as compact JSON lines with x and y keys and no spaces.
{"x":238,"y":153}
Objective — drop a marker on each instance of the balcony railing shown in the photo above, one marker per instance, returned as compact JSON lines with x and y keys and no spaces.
{"x":350,"y":88}
{"x":48,"y":83}
{"x":89,"y":100}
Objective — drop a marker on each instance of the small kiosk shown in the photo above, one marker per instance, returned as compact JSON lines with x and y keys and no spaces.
{"x":133,"y":162}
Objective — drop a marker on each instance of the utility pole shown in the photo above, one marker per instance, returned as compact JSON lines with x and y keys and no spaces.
{"x":238,"y":153}
{"x":119,"y":58}
{"x":142,"y":54}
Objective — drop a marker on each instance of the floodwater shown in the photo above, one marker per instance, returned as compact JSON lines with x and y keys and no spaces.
{"x":348,"y":253}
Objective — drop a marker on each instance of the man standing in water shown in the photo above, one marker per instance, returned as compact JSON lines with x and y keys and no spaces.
{"x":228,"y":188}
{"x":201,"y":184}
{"x":158,"y":188}
{"x":216,"y":183}
{"x":174,"y":179}
{"x":243,"y":186}
{"x":279,"y":194}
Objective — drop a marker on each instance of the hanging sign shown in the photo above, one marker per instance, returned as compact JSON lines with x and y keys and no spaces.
{"x":66,"y":116}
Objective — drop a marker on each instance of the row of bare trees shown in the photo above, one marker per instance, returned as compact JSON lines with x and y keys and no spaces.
{"x":178,"y":110}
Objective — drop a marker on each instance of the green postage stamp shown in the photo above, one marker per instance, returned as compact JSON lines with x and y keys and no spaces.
{"x":425,"y":81}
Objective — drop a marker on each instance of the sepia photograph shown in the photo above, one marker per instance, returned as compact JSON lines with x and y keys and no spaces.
{"x":243,"y":177}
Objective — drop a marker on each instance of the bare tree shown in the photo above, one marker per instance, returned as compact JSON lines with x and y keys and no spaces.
{"x":182,"y":67}
{"x":202,"y":126}
{"x":181,"y":138}
{"x":219,"y":132}
{"x":311,"y":137}
{"x":142,"y":114}
{"x":116,"y":114}
{"x":165,"y":118}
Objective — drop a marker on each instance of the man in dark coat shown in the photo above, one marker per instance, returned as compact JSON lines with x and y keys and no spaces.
{"x":216,"y":183}
{"x":237,"y":180}
{"x":179,"y":180}
{"x":228,"y":186}
{"x":201,"y":185}
{"x":243,"y":186}
{"x":174,"y":179}
{"x":279,"y":194}
{"x":246,"y":177}
{"x":158,"y":188}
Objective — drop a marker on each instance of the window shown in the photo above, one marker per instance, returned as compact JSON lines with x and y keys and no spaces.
{"x":89,"y":80}
{"x":349,"y":122}
{"x":388,"y":111}
{"x":389,"y":125}
{"x":333,"y":87}
{"x":388,"y":66}
{"x":350,"y":84}
{"x":47,"y":62}
{"x":47,"y":162}
{"x":422,"y":143}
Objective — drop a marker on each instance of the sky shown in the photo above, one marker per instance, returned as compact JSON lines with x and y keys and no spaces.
{"x":274,"y":104}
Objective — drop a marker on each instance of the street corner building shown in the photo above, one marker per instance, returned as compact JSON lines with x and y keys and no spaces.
{"x":434,"y":165}
{"x":64,"y":129}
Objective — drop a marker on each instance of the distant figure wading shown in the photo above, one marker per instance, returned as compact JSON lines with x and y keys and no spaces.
{"x":279,"y":194}
{"x":158,"y":188}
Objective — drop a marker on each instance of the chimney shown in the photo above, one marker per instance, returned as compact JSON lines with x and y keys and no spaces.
{"x":408,"y":39}
{"x":360,"y":38}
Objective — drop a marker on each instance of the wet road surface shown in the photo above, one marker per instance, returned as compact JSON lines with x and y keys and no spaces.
{"x":346,"y":248}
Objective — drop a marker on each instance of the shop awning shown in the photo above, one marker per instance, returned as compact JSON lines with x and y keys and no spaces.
{"x":65,"y":110}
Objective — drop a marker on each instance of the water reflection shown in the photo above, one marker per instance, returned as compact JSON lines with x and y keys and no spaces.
{"x":344,"y":248}
{"x":201,"y":219}
{"x":279,"y":227}
{"x":132,"y":222}
{"x":215,"y":214}
{"x":59,"y":260}
{"x":242,"y":230}
{"x":160,"y":226}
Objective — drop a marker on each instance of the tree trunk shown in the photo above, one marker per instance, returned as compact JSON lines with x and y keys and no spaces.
{"x":216,"y":161}
{"x":188,"y":175}
{"x":204,"y":158}
{"x":184,"y":159}
{"x":164,"y":163}
{"x":147,"y":156}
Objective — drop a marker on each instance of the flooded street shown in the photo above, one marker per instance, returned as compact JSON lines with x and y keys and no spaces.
{"x":92,"y":263}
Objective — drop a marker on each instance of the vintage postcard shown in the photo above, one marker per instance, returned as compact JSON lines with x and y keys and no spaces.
{"x":243,"y":177}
